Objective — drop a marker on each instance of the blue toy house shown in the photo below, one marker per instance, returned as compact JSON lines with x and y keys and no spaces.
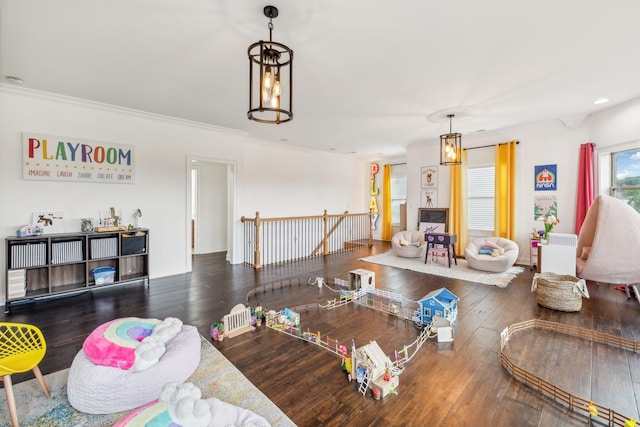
{"x":439,"y":303}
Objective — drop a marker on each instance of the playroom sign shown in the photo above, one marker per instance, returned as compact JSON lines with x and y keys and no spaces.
{"x":61,"y":158}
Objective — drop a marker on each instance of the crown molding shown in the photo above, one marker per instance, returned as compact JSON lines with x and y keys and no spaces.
{"x":49,"y":96}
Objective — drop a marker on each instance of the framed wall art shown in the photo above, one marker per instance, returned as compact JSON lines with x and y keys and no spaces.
{"x":428,"y":198}
{"x":429,"y":177}
{"x":50,"y":221}
{"x":545,"y":178}
{"x":63,"y":158}
{"x":544,"y":205}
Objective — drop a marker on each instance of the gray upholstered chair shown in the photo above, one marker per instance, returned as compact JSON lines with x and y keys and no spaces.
{"x":415,"y":248}
{"x":486,"y":262}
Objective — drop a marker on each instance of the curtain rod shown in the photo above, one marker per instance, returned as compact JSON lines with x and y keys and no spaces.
{"x":397,"y":164}
{"x":490,"y":145}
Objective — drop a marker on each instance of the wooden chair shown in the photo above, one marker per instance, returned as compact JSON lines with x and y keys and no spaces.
{"x":22,"y":347}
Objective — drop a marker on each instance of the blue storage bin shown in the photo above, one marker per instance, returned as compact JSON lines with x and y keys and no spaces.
{"x":102,"y":275}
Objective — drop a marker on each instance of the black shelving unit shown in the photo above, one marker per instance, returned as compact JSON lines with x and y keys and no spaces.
{"x":56,"y":265}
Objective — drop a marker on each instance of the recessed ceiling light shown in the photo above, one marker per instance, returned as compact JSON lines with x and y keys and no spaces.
{"x":601,"y":101}
{"x":14,"y":80}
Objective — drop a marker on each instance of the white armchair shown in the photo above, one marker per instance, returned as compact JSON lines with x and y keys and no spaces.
{"x":491,"y":262}
{"x":409,"y":244}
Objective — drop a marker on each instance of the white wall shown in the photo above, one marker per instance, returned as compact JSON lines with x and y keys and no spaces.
{"x":617,"y":126}
{"x":284,"y":180}
{"x":612,"y":130}
{"x":271,"y":179}
{"x":551,"y":142}
{"x":540,"y":144}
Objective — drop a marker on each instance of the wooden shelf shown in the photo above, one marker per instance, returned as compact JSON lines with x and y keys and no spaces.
{"x":46,"y":266}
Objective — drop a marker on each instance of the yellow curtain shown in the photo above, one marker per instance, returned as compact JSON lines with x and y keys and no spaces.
{"x":386,"y":204}
{"x":458,"y":204}
{"x":505,"y":188}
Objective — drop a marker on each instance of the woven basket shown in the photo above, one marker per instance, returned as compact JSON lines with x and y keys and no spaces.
{"x":557,"y":291}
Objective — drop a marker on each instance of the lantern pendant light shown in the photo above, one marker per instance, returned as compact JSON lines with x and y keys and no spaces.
{"x":450,"y":146}
{"x":270,"y":78}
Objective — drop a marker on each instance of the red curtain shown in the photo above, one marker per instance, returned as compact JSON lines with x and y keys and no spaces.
{"x":586,"y":182}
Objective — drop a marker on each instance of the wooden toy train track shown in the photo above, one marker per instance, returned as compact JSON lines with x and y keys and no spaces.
{"x":574,"y":402}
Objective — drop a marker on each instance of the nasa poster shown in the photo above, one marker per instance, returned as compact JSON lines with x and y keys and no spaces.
{"x":546,"y":178}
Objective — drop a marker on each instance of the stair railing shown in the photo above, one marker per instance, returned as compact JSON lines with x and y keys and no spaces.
{"x":271,"y":241}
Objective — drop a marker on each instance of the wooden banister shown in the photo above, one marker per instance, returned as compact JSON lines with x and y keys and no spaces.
{"x":276,"y":240}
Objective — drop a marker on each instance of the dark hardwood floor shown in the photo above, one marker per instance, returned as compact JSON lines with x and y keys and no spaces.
{"x":458,"y":383}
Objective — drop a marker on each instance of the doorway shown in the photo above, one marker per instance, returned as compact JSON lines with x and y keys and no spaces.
{"x":210,"y":207}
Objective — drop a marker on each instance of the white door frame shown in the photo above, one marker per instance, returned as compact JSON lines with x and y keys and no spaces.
{"x":232,"y":171}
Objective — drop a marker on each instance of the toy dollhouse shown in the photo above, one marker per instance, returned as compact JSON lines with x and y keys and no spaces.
{"x":370,"y":364}
{"x":439,"y":303}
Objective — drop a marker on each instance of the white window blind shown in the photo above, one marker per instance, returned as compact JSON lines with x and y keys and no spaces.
{"x":398,"y":191}
{"x":481,"y":198}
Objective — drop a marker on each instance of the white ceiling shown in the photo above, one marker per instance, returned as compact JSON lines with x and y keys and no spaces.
{"x":370,"y":77}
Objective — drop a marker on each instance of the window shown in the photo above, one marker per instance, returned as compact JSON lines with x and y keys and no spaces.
{"x":625,"y":177}
{"x":480,"y":198}
{"x":398,"y":191}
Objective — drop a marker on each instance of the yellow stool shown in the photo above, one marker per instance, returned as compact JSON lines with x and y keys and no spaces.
{"x":22,"y":347}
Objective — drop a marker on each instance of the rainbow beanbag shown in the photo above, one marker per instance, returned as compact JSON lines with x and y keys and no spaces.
{"x":131,"y":343}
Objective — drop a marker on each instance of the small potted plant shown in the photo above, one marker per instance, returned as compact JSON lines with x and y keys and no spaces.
{"x":215,"y":331}
{"x":220,"y":331}
{"x":549,"y":221}
{"x":259,"y":315}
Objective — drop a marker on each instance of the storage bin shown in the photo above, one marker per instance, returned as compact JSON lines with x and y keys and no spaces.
{"x":103,"y":247}
{"x":559,"y":291}
{"x":102,"y":275}
{"x":132,"y":245}
{"x":67,"y":251}
{"x":28,"y":255}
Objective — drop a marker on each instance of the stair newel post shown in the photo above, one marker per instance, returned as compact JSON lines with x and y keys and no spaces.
{"x":256,"y":254}
{"x":325,"y":246}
